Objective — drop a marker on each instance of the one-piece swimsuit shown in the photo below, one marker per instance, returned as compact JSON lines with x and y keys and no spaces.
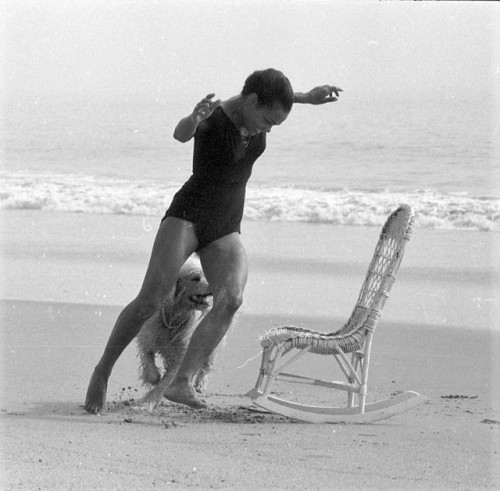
{"x":213,"y":198}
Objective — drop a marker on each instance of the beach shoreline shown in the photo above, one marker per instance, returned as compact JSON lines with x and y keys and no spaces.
{"x":92,"y":93}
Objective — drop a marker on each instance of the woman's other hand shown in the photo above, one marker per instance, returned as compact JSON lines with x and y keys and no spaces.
{"x":186,"y":127}
{"x":205,"y":108}
{"x":320,"y":95}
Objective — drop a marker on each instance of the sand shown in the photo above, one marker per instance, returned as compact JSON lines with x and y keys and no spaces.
{"x":66,"y":277}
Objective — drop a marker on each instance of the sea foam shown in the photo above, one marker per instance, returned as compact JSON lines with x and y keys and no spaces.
{"x":89,"y":194}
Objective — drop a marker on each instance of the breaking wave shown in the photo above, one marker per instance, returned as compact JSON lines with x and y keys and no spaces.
{"x":89,"y":194}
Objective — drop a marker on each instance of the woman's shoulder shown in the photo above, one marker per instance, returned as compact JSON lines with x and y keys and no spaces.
{"x":218,"y":121}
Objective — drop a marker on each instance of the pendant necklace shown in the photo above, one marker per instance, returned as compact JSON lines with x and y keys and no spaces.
{"x":245,"y":137}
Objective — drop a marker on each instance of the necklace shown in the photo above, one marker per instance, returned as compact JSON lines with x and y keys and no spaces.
{"x":237,"y":120}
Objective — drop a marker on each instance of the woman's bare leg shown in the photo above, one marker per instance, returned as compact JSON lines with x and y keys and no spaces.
{"x":174,"y":243}
{"x":226,"y":268}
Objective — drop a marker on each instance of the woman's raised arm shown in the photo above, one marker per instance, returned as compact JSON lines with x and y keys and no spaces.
{"x":318,"y":95}
{"x":186,"y":127}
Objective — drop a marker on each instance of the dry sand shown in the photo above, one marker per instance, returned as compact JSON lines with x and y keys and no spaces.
{"x":66,"y":277}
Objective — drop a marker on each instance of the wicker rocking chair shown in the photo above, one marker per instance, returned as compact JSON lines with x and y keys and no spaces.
{"x":355,"y":337}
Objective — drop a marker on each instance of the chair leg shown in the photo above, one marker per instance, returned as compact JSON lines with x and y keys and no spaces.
{"x":355,"y":364}
{"x":272,"y":369}
{"x":264,"y":364}
{"x":365,"y":364}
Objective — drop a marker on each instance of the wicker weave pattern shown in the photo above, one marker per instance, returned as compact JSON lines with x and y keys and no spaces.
{"x":372,"y":297}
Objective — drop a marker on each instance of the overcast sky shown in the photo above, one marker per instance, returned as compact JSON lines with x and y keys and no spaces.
{"x":177,"y":48}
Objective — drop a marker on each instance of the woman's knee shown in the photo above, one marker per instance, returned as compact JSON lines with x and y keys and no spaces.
{"x":228,"y":301}
{"x":145,"y":305}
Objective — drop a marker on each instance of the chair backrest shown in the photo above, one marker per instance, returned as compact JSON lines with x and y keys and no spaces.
{"x":375,"y":290}
{"x":382,"y":272}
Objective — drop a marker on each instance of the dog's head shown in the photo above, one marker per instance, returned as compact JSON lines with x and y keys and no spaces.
{"x":192,"y":290}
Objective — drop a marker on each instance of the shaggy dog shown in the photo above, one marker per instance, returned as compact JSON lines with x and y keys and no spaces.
{"x":168,"y":331}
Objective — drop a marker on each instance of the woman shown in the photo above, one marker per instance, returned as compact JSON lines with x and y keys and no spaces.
{"x":205,"y":217}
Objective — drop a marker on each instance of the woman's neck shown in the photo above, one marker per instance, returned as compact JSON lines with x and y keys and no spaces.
{"x":233,"y":108}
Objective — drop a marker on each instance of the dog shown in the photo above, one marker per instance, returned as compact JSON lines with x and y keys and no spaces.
{"x":167,"y":333}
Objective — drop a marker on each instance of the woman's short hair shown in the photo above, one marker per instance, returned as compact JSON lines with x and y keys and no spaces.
{"x":271,"y":87}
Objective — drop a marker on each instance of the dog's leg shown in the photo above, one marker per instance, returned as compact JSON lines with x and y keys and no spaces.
{"x":155,"y":395}
{"x":172,"y":356}
{"x":148,"y":371}
{"x":148,"y":339}
{"x":202,"y":376}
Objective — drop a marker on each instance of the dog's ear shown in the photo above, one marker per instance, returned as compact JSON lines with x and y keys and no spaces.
{"x":178,"y":289}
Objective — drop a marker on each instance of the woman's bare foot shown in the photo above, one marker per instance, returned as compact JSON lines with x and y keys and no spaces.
{"x":96,"y":392}
{"x":183,"y":393}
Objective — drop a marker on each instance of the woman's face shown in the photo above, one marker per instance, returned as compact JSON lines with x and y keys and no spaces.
{"x":259,"y":119}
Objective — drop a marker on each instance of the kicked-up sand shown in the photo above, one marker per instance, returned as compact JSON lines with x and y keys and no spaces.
{"x":67,"y":276}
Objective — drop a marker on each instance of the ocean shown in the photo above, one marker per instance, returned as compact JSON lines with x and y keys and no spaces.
{"x":346,"y":163}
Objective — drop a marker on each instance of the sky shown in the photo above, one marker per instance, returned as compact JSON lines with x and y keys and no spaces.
{"x":187,"y":48}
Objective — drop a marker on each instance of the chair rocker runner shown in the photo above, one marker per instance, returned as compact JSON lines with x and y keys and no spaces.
{"x":284,"y":346}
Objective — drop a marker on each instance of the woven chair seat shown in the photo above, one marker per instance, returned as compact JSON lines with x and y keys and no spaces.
{"x":321,"y":343}
{"x":351,"y":337}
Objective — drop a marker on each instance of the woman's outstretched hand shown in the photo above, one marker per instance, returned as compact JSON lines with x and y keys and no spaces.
{"x":205,"y":108}
{"x":321,"y":95}
{"x":186,"y":127}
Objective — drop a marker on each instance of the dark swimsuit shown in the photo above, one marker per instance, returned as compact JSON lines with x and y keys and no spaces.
{"x":214,"y":196}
